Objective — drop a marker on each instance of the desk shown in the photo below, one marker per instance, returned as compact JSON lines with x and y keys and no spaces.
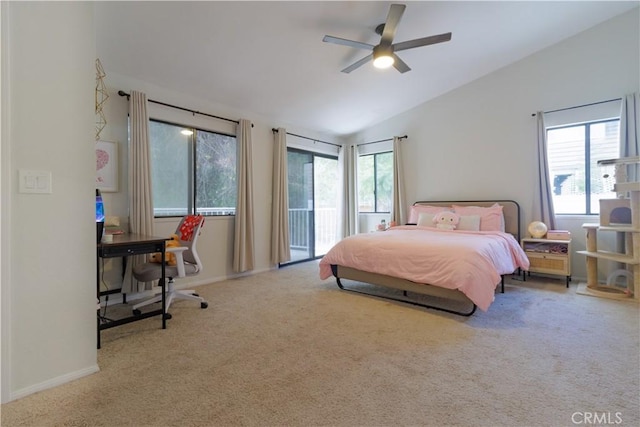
{"x":124,"y":245}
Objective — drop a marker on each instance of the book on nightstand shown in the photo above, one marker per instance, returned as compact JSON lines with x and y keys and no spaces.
{"x":558,"y":235}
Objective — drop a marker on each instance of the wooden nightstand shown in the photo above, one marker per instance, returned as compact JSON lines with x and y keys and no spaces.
{"x":548,"y":257}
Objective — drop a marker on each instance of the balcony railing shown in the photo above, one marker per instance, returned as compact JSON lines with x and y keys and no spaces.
{"x":301,"y":225}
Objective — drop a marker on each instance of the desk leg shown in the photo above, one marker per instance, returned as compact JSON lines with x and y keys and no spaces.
{"x":163,"y":287}
{"x":98,"y":328}
{"x":98,"y":296}
{"x":124,"y":270}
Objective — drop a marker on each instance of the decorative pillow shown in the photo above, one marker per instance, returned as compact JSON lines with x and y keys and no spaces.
{"x":469,"y":223}
{"x":491,"y":218}
{"x":415,"y":210}
{"x":426,"y":219}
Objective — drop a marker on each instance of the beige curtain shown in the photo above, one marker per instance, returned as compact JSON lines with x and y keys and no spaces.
{"x":630,"y":133}
{"x":243,"y":245}
{"x":543,"y":203}
{"x":399,"y":205}
{"x":348,"y":197}
{"x":140,"y":200}
{"x":280,"y":244}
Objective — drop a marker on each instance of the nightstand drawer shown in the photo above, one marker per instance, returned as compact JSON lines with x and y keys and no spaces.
{"x":547,"y":263}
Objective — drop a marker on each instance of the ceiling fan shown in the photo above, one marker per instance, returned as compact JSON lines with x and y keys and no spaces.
{"x":383,"y":54}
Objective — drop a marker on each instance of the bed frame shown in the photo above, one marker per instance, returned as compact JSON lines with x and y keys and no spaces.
{"x":511,"y":212}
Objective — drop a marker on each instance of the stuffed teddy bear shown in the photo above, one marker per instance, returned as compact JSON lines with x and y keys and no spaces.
{"x":169,"y":257}
{"x":446,"y":220}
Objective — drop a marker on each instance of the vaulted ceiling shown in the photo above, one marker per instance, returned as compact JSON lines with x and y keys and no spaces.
{"x":268,"y":58}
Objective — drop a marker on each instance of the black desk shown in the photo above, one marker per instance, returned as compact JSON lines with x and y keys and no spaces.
{"x":125,"y":245}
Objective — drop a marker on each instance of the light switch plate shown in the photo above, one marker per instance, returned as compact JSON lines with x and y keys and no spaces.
{"x":34,"y":182}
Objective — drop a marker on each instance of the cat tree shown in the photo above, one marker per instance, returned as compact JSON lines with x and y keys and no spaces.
{"x":620,"y":215}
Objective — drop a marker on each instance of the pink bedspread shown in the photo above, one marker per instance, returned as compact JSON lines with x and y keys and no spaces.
{"x":470,"y":261}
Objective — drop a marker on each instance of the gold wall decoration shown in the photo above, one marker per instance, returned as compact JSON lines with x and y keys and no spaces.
{"x":101,"y":98}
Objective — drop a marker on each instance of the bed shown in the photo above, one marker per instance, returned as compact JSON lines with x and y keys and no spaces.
{"x":454,"y":271}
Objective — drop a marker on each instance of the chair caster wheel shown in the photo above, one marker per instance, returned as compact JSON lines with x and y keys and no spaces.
{"x":167,"y":316}
{"x":195,"y":295}
{"x":137,"y":312}
{"x":204,"y":304}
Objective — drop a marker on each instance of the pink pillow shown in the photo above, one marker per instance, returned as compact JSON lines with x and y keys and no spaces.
{"x":491,"y":218}
{"x":416,"y":210}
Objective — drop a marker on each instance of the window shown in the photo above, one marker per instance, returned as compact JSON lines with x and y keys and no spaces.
{"x":375,"y":182}
{"x":192,"y":173}
{"x":578,"y":183}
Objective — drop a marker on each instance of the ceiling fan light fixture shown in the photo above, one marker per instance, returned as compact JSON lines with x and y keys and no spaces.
{"x":382,"y":58}
{"x":383,"y":61}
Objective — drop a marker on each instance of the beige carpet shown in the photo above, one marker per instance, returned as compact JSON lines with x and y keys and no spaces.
{"x":287,"y":349}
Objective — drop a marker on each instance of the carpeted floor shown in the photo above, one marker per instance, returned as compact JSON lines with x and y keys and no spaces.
{"x":286,"y":349}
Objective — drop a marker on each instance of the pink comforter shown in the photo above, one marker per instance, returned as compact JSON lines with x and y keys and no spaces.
{"x":470,"y":261}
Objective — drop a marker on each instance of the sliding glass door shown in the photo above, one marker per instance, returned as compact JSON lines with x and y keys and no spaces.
{"x":313,"y":202}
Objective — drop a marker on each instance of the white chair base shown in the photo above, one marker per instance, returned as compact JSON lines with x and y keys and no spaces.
{"x":172,"y":294}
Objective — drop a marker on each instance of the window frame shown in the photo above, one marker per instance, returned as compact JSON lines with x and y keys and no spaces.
{"x":192,"y":153}
{"x":375,"y":180}
{"x":587,"y":160}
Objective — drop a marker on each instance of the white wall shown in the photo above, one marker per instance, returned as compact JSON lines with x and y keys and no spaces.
{"x":479,"y":141}
{"x":48,"y":240}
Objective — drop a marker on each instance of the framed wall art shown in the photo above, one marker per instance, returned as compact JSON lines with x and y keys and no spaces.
{"x":107,"y":166}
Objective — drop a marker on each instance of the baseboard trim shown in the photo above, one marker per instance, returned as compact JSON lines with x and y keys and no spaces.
{"x":54,"y":382}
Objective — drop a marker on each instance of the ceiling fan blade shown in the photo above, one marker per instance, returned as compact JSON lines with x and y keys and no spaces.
{"x":345,"y":42}
{"x":355,"y":65}
{"x":399,"y":64}
{"x":391,"y":24}
{"x":425,"y":41}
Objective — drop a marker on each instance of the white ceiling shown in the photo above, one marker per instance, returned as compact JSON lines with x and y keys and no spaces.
{"x":268,"y":57}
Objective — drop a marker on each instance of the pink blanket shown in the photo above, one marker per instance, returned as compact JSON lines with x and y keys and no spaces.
{"x":470,"y":261}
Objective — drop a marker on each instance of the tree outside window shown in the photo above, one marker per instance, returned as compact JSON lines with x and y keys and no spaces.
{"x":375,"y":182}
{"x":192,"y":170}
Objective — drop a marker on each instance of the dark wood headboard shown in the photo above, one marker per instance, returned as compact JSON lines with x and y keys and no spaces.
{"x":510,"y":210}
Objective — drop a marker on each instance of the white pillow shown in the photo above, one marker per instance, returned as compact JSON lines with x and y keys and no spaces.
{"x":426,"y":219}
{"x":469,"y":223}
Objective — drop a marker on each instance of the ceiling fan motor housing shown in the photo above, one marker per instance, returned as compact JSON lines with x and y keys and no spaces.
{"x":380,"y":50}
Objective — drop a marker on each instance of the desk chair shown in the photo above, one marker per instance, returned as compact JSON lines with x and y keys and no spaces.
{"x":187,"y":264}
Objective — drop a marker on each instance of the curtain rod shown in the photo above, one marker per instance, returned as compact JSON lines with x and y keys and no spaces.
{"x":578,"y":106}
{"x":310,"y":139}
{"x":382,"y":140}
{"x":123,"y":93}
